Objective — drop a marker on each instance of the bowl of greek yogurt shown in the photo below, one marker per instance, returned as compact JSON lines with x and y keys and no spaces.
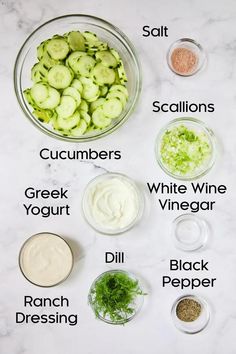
{"x":112,"y":203}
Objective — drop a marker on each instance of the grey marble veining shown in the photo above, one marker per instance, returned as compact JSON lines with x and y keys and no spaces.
{"x":148,"y":246}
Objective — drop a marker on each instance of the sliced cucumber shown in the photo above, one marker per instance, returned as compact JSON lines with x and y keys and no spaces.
{"x":106,"y":58}
{"x":57,"y":48}
{"x":39,"y":73}
{"x":99,"y":118}
{"x":59,"y":77}
{"x":47,"y":61}
{"x":90,"y":90}
{"x":120,"y":88}
{"x":84,"y":65}
{"x":78,"y":85}
{"x":103,"y":91}
{"x":73,"y":59}
{"x":76,"y":41}
{"x":121,"y":73}
{"x":41,"y":49}
{"x":90,"y":37}
{"x":44,"y":115}
{"x":117,"y":94}
{"x":68,"y":123}
{"x":94,"y":105}
{"x":80,"y":129}
{"x":85,"y":116}
{"x":71,"y":91}
{"x":39,"y":92}
{"x":66,"y":107}
{"x":116,"y":55}
{"x":103,"y":75}
{"x":83,"y":106}
{"x":29,"y":99}
{"x":112,"y":108}
{"x":52,"y":100}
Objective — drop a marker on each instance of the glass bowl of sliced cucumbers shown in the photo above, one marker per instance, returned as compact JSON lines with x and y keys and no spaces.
{"x":77,"y":78}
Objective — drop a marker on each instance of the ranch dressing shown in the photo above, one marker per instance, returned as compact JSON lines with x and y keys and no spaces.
{"x":46,"y":259}
{"x":112,"y":203}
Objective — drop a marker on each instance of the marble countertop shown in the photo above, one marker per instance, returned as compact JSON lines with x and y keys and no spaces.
{"x":148,"y":246}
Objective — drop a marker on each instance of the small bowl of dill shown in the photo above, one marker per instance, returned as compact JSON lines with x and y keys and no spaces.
{"x":116,"y":297}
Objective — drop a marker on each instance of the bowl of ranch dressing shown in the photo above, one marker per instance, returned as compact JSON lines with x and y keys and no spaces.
{"x":112,"y":203}
{"x":46,"y":259}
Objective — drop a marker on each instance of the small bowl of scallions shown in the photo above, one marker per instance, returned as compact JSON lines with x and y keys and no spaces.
{"x":116,"y":297}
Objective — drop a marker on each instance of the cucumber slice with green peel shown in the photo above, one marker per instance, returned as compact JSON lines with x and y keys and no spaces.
{"x":29,"y":99}
{"x":52,"y":100}
{"x":116,"y":55}
{"x":76,"y":41}
{"x":103,"y":90}
{"x":92,"y":99}
{"x":112,"y":108}
{"x":39,"y":92}
{"x":39,"y":73}
{"x":93,"y":48}
{"x":120,"y":88}
{"x":90,"y":90}
{"x":71,"y":91}
{"x":121,"y":73}
{"x":43,"y":115}
{"x":106,"y":58}
{"x":80,"y":129}
{"x":103,"y":75}
{"x":94,"y":105}
{"x":86,"y":117}
{"x":57,"y":48}
{"x":47,"y":61}
{"x":70,"y":122}
{"x":99,"y":118}
{"x":83,"y":106}
{"x":59,"y":76}
{"x":84,"y":65}
{"x":73,"y":58}
{"x":41,"y":49}
{"x":117,"y":94}
{"x":78,"y":85}
{"x":90,"y":37}
{"x":66,"y":107}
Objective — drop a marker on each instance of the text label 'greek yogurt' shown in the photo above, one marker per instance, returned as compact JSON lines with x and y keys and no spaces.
{"x":46,"y":210}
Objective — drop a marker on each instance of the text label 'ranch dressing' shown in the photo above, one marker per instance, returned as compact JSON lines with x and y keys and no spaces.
{"x":111,"y":203}
{"x":46,"y":259}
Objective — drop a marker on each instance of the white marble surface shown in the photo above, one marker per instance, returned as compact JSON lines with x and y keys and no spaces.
{"x":148,"y":246}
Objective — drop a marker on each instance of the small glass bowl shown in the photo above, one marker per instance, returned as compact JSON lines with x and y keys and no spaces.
{"x":21,"y":259}
{"x":137,"y":305}
{"x":198,"y":126}
{"x":190,"y":232}
{"x":107,"y":32}
{"x":87,"y":211}
{"x":195,"y":326}
{"x":194,"y":47}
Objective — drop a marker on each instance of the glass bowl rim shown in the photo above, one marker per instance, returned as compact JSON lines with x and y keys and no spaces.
{"x":82,"y":139}
{"x":210,"y":135}
{"x":22,"y":248}
{"x":137,"y":310}
{"x":194,"y":43}
{"x":139,"y":194}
